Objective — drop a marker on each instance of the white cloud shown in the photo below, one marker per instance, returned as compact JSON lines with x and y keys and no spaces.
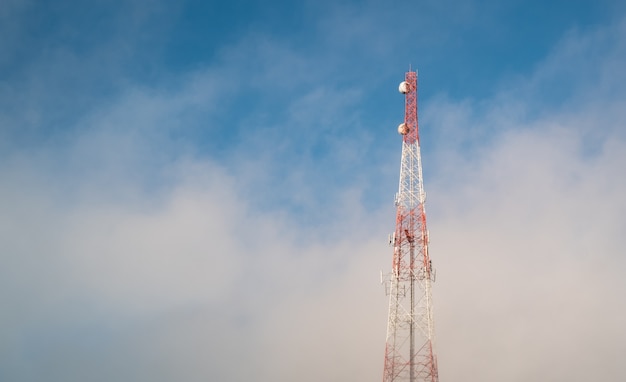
{"x":529,"y":240}
{"x":125,"y":259}
{"x":530,"y":260}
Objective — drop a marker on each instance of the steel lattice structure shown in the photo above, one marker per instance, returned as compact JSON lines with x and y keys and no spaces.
{"x":409,"y":350}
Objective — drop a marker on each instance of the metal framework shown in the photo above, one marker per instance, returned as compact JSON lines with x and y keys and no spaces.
{"x":409,"y":351}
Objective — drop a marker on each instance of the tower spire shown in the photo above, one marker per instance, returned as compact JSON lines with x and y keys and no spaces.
{"x":409,"y":350}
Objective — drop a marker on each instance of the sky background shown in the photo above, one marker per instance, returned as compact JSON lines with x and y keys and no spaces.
{"x":202,"y":191}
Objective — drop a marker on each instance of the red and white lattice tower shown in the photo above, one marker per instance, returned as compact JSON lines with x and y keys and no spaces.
{"x":409,"y":351}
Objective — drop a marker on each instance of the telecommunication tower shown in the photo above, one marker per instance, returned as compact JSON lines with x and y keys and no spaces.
{"x":409,"y":350}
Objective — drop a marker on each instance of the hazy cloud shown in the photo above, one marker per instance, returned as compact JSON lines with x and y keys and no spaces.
{"x":128,"y":254}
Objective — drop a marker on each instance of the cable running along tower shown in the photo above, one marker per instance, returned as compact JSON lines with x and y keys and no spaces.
{"x":409,"y":351}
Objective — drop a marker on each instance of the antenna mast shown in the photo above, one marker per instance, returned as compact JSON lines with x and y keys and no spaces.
{"x":409,"y":351}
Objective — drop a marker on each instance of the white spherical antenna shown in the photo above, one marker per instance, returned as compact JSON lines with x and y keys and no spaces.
{"x":404,"y":87}
{"x":403,"y":129}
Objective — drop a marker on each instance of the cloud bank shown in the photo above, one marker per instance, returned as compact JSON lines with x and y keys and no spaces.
{"x":131,"y":253}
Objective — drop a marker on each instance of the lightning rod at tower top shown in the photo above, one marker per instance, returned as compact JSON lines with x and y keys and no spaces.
{"x":410,"y":348}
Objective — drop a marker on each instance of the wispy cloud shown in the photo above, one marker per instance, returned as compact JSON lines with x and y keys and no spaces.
{"x":216,"y":225}
{"x":529,"y":237}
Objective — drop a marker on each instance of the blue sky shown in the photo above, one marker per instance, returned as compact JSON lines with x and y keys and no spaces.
{"x":203,"y":191}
